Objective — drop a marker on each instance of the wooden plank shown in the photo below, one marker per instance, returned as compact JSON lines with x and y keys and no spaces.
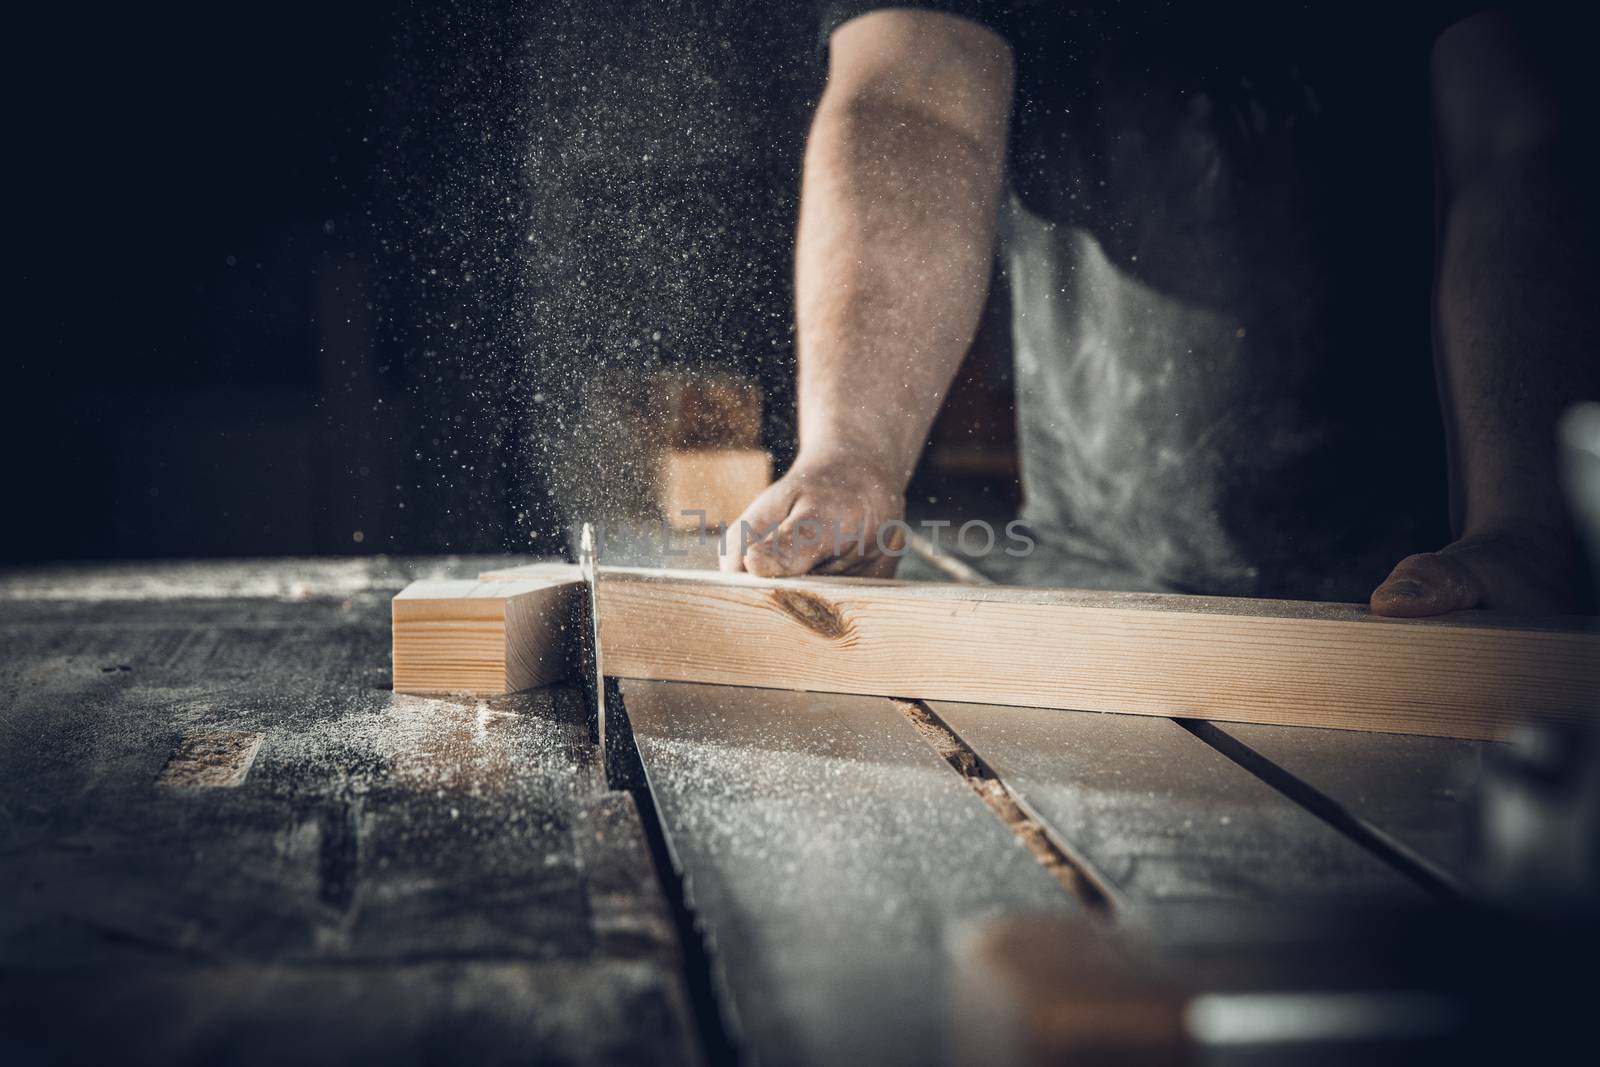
{"x":1162,"y":817}
{"x":674,"y":439}
{"x":706,"y":410}
{"x":211,"y":759}
{"x":1472,"y":674}
{"x":480,"y":637}
{"x":704,"y":488}
{"x":1040,"y":989}
{"x":1411,"y":792}
{"x":832,"y":859}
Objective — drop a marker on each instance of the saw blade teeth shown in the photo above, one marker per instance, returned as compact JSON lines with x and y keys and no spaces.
{"x":586,"y":552}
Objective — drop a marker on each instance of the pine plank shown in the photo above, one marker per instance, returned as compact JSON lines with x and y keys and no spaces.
{"x":1471,"y":675}
{"x":705,"y":488}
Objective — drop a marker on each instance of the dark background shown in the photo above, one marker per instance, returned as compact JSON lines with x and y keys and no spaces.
{"x":303,"y":278}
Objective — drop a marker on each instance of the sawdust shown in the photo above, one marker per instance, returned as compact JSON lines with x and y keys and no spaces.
{"x":432,"y":746}
{"x":1028,"y":831}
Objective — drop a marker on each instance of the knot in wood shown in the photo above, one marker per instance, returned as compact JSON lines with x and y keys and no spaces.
{"x":813,"y":612}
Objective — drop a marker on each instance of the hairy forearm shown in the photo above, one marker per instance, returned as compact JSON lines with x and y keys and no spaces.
{"x":1519,"y":339}
{"x":894,"y":251}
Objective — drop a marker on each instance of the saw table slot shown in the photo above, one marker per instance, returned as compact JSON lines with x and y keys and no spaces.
{"x":1162,"y":817}
{"x":1408,"y":792}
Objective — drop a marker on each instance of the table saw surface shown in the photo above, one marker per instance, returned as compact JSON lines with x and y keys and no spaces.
{"x":223,"y":834}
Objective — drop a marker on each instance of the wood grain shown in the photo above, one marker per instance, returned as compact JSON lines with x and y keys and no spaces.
{"x":212,"y":759}
{"x":1287,"y":663}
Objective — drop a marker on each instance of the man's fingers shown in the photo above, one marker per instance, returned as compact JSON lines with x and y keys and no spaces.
{"x":777,"y":536}
{"x":791,"y":530}
{"x":801,"y":541}
{"x":1431,"y":583}
{"x":763,"y":514}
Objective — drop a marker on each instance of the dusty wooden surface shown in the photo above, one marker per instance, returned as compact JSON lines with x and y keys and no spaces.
{"x":391,"y":878}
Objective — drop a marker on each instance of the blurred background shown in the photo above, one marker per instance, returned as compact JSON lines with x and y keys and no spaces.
{"x":329,"y":278}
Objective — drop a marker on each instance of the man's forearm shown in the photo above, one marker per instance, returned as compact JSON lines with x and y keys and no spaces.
{"x":1514,"y":327}
{"x":894,"y":252}
{"x":896,"y":238}
{"x":1517,"y":333}
{"x":1516,"y":320}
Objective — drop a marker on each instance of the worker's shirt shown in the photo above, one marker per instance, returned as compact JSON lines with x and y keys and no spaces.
{"x":1219,"y":244}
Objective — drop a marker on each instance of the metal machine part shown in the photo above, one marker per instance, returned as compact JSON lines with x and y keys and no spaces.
{"x":593,"y":667}
{"x":1538,"y":803}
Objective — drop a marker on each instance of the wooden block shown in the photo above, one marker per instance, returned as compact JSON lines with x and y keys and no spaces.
{"x":1057,"y":989}
{"x":721,"y":482}
{"x":1288,"y":663}
{"x":711,"y":411}
{"x":673,"y":439}
{"x":676,"y":408}
{"x":212,"y":759}
{"x":1292,"y":664}
{"x":482,"y":637}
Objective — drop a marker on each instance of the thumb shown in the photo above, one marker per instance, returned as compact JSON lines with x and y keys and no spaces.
{"x":1430,"y":583}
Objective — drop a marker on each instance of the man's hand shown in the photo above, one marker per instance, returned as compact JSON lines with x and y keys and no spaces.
{"x":827,"y":515}
{"x":903,"y":172}
{"x":1522,"y":573}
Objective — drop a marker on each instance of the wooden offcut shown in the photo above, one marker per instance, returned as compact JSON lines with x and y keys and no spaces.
{"x":211,"y":759}
{"x":703,"y":410}
{"x":1472,"y":674}
{"x":705,"y":488}
{"x":711,"y":464}
{"x":482,"y":637}
{"x":677,"y":442}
